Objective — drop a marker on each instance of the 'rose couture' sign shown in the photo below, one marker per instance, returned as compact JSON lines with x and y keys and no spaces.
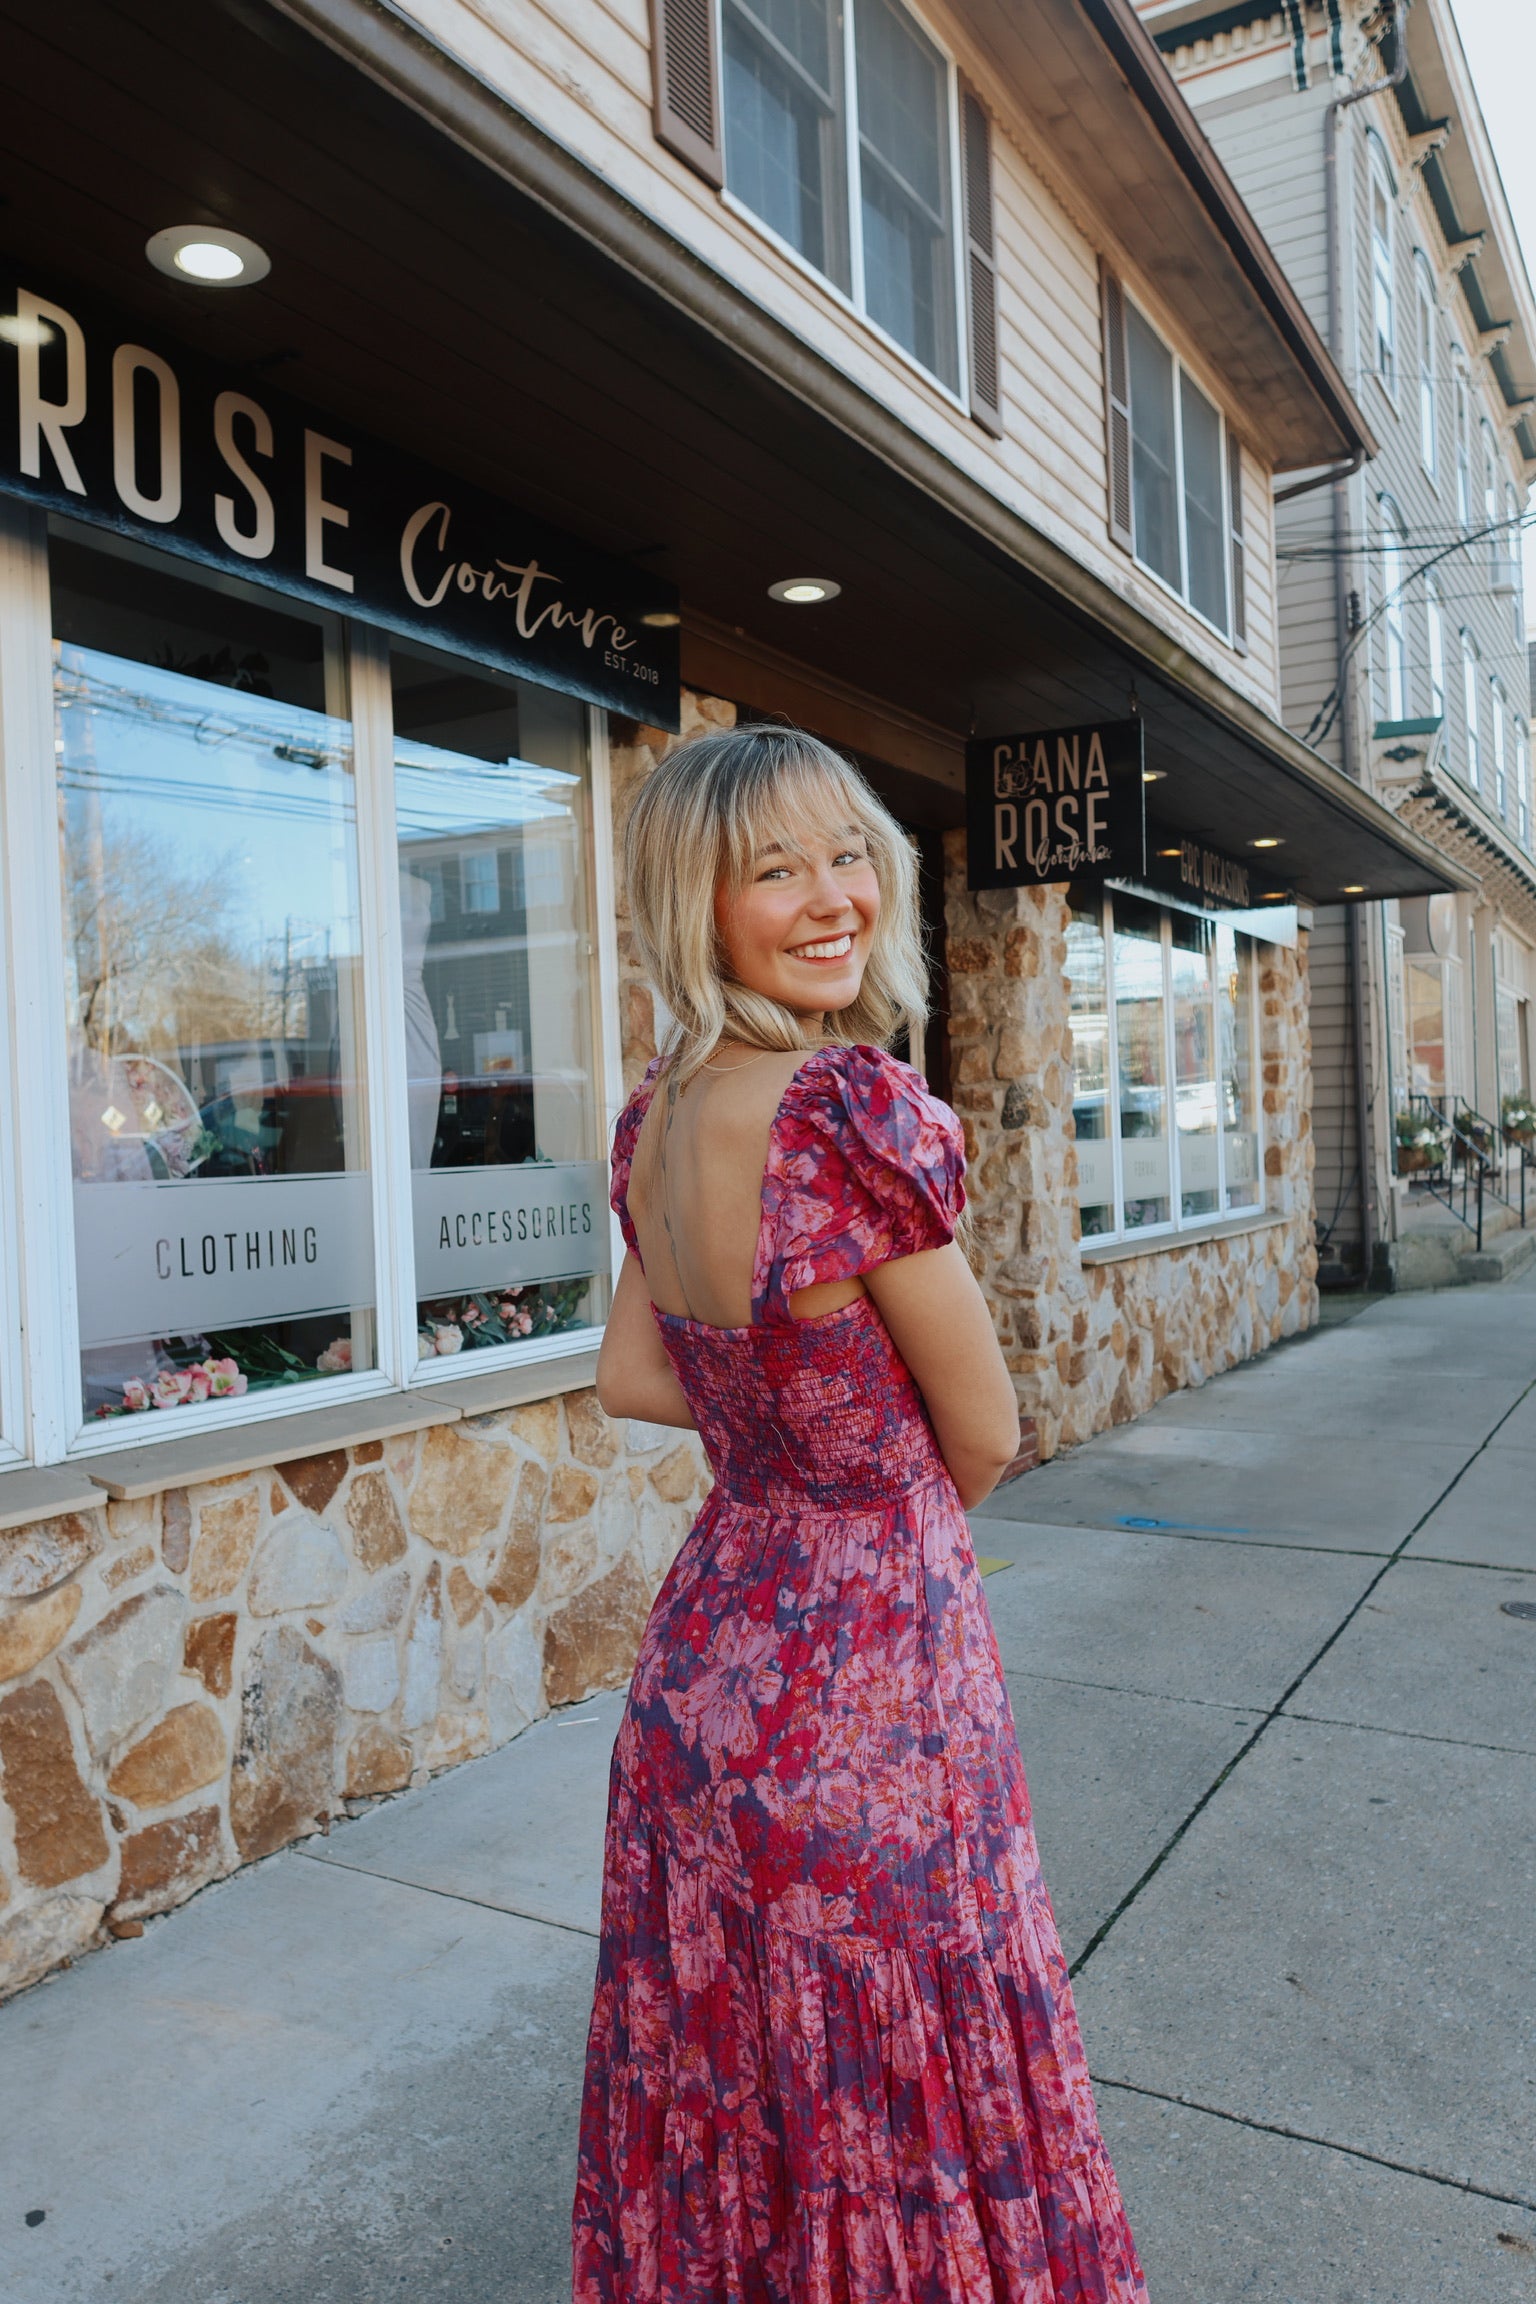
{"x":147,"y":439}
{"x":1056,"y":804}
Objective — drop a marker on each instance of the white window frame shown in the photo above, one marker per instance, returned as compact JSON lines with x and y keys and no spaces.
{"x":39,"y":1349}
{"x":1496,"y":706}
{"x":1394,"y":608}
{"x":1494,"y":545}
{"x":1462,"y":420}
{"x":1384,"y":331}
{"x":1523,"y":782}
{"x":1471,"y":687}
{"x":1180,"y":591}
{"x":1224,"y":1213}
{"x":851,"y":300}
{"x":1434,"y":618}
{"x":1428,"y":347}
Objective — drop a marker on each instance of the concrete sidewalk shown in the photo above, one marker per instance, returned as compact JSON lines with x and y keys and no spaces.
{"x":1278,"y":1720}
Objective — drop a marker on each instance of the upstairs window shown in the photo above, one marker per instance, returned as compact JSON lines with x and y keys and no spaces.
{"x":1471,"y":684}
{"x":1463,"y":423}
{"x":1434,"y":613}
{"x":1429,"y":408}
{"x":1171,"y":437}
{"x":1496,"y":544}
{"x":1522,"y":784}
{"x":1383,"y":271}
{"x":1500,"y":765}
{"x":1394,"y":611}
{"x":839,"y":136}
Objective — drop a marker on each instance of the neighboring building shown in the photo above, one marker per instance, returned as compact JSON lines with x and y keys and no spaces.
{"x":340,"y":611}
{"x":1403,"y":639}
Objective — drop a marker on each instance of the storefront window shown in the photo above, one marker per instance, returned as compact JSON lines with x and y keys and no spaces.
{"x":1194,"y":1059}
{"x":1142,"y":1061}
{"x":1237,"y":1040}
{"x":508,"y":1188}
{"x":222,"y":1209}
{"x":1090,"y":1072}
{"x":1159,"y":998}
{"x":1426,"y":1027}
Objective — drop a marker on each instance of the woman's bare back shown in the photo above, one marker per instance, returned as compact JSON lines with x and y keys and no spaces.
{"x":696,"y":1190}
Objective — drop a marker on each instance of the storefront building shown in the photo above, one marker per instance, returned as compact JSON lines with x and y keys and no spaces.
{"x":341,"y":607}
{"x":1359,"y":143}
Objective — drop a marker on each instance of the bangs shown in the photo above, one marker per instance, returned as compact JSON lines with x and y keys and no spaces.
{"x":788,"y":802}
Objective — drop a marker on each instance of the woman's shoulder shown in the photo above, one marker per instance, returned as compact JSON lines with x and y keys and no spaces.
{"x":871,"y":1096}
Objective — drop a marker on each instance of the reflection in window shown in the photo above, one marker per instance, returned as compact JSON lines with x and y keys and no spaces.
{"x":1090,"y":1071}
{"x":1170,"y":998}
{"x":784,"y":152}
{"x":1235,"y":997}
{"x":1205,"y":525}
{"x":1141,"y":1047}
{"x":491,"y":807}
{"x":1194,"y":1064}
{"x":1154,"y":451}
{"x":223,"y":1227}
{"x":1426,"y":1028}
{"x":909,"y":276}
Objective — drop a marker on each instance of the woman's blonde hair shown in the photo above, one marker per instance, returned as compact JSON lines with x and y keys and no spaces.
{"x":699,"y":821}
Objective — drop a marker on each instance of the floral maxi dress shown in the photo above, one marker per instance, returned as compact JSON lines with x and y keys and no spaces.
{"x":833,"y":2055}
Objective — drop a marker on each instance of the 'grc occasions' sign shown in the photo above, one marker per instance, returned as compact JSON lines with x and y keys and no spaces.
{"x":146,"y":438}
{"x":1055,"y":804}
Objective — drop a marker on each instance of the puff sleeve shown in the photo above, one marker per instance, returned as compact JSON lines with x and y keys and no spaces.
{"x":865,"y":1165}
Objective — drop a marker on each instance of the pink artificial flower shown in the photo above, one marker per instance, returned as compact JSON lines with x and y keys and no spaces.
{"x":472,"y":1316}
{"x":199,"y":1383}
{"x":523,"y":1323}
{"x":170,"y":1388}
{"x":225,"y":1379}
{"x":336,"y":1359}
{"x":447,"y":1339}
{"x":136,"y":1396}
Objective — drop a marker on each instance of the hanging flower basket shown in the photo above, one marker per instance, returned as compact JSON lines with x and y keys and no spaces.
{"x":1421,"y":1145}
{"x":1418,"y":1159}
{"x":1520,"y":1120}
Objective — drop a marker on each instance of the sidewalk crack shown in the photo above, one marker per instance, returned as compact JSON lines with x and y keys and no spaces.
{"x":1321,"y":2143}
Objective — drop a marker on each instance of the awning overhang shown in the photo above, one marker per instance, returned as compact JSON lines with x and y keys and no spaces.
{"x":448,"y":277}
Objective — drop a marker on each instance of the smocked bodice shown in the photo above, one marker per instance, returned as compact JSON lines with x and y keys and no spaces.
{"x":863,"y":1166}
{"x":819,"y":1416}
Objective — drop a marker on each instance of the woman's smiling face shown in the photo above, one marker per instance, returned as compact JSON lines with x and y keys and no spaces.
{"x":800,"y":928}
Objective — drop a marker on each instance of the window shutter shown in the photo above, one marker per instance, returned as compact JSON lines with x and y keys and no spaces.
{"x":1239,"y":548}
{"x":1117,"y":412}
{"x":685,"y":88}
{"x":981,"y":266}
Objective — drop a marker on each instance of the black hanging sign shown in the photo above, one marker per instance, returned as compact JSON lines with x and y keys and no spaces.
{"x":1056,"y":804}
{"x":100,"y":420}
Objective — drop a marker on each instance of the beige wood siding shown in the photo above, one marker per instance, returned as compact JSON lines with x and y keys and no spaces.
{"x":581,"y":70}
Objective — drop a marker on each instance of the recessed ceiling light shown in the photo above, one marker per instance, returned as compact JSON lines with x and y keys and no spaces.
{"x":1268,"y":842}
{"x":1355,"y":888}
{"x":207,"y":254}
{"x":662,"y":619}
{"x":1170,"y":851}
{"x":1277,"y":895}
{"x":1153,"y":775}
{"x":804,"y":591}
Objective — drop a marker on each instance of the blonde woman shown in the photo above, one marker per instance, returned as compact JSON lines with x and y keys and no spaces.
{"x":833,"y":2056}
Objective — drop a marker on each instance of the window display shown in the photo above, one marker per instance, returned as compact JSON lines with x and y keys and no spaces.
{"x":223,"y":1221}
{"x":508,"y":1183}
{"x":1162,"y":997}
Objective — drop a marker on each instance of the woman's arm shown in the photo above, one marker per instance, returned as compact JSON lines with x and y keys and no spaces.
{"x":634,"y":1375}
{"x":939,"y":1323}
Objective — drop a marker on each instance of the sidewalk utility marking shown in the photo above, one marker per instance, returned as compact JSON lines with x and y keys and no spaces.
{"x":1185,"y":1527}
{"x":989,"y":1566}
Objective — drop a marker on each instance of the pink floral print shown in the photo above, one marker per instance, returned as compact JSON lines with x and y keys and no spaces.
{"x":833,"y":2055}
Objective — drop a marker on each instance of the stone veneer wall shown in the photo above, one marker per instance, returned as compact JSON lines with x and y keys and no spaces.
{"x":1091,"y":1345}
{"x":190,"y":1681}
